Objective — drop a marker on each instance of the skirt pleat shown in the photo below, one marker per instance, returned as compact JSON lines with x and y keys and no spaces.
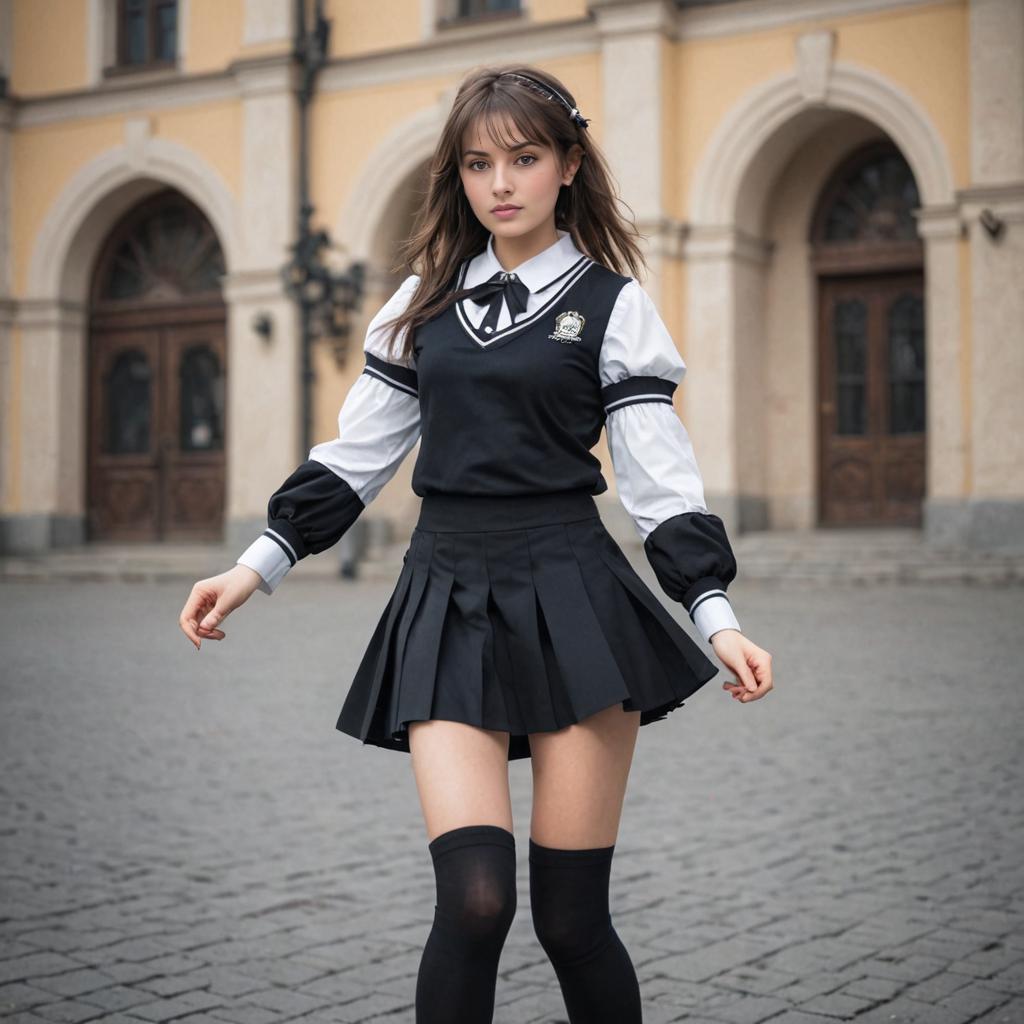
{"x":519,"y":630}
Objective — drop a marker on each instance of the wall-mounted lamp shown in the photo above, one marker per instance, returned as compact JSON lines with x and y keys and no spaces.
{"x":263,"y":325}
{"x":991,"y":223}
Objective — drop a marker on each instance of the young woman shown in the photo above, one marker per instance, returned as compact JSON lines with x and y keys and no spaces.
{"x":517,"y":627}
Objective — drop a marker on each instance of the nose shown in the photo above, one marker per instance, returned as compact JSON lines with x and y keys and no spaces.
{"x":500,"y":184}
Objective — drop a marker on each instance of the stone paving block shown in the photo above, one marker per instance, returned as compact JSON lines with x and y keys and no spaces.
{"x":836,"y":1004}
{"x":128,"y":973}
{"x":61,"y":940}
{"x":280,"y":972}
{"x":974,"y":999}
{"x":18,"y":996}
{"x":873,"y":989}
{"x":910,"y":1011}
{"x":242,"y":1012}
{"x":746,"y":1010}
{"x":168,"y":1009}
{"x":754,"y":979}
{"x":1011,"y":1012}
{"x":75,"y":983}
{"x":36,"y":965}
{"x":71,"y":1011}
{"x":937,"y":987}
{"x":116,"y":997}
{"x":711,"y":960}
{"x":287,"y":1001}
{"x":342,"y":986}
{"x":908,"y":969}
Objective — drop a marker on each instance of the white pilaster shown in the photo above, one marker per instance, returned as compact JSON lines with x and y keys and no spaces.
{"x":263,"y":379}
{"x":633,"y":56}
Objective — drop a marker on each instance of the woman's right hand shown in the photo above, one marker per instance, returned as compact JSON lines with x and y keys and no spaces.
{"x":213,"y":599}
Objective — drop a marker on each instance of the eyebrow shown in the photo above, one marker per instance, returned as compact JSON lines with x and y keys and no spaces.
{"x":484,"y":152}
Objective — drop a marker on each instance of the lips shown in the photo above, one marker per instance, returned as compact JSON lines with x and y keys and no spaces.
{"x":499,"y":209}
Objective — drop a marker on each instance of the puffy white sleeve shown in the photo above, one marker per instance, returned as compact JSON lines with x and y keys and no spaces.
{"x":378,"y":425}
{"x":656,"y":471}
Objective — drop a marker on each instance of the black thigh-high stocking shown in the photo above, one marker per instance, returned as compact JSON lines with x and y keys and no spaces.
{"x":569,"y":906}
{"x":475,"y":870}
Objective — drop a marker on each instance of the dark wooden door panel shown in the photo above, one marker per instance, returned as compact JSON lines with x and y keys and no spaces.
{"x":871,"y":408}
{"x":125,"y":412}
{"x":157,"y":430}
{"x":193,"y":478}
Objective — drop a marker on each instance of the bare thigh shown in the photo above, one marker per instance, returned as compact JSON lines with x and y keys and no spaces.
{"x":461,"y":775}
{"x":579,"y":779}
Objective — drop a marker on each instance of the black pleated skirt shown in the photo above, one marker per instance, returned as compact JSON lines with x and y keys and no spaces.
{"x":520,"y":614}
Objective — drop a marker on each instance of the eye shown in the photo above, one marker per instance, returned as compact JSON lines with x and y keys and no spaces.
{"x":528,"y":156}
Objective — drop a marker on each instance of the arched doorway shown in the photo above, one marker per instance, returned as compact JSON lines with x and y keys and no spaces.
{"x":868,"y":261}
{"x":156,"y":377}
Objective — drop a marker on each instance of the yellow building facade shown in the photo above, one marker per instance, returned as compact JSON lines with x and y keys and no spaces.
{"x":831,"y":194}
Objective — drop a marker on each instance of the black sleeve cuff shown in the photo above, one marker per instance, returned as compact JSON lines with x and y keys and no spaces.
{"x":691,"y":555}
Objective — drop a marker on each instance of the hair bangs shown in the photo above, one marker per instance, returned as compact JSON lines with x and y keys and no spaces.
{"x":507,"y":120}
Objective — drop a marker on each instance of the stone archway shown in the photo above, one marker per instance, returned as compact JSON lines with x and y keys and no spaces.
{"x":51,"y":320}
{"x":747,"y":292}
{"x":156,"y":378}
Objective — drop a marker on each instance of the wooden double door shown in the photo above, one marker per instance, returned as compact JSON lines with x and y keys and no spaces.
{"x":157,"y":418}
{"x":872,"y":399}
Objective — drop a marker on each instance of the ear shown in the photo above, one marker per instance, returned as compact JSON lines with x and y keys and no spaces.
{"x":573,"y":160}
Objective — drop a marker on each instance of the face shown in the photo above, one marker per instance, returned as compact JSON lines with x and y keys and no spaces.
{"x":526,"y":177}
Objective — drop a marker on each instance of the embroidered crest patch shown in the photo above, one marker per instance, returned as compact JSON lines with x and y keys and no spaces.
{"x":568,"y":327}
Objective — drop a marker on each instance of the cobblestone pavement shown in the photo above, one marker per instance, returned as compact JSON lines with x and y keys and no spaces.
{"x":187,"y":837}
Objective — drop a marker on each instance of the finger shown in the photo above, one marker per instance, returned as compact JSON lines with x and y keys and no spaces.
{"x":762,"y":689}
{"x":763,"y":672}
{"x":214,"y":617}
{"x":746,"y":677}
{"x":188,"y":626}
{"x":211,"y":634}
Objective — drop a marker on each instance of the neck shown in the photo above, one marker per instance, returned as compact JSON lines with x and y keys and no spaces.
{"x":510,"y":252}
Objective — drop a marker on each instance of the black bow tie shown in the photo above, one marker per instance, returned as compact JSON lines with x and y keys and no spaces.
{"x":501,"y":286}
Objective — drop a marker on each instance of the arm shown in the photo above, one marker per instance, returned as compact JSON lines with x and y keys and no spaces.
{"x":656,"y":471}
{"x":378,"y":425}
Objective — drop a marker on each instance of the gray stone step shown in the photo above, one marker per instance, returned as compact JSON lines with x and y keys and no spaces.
{"x":805,"y":556}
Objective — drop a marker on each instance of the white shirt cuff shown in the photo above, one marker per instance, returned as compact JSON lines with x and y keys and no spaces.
{"x":713,"y":614}
{"x":266,"y":557}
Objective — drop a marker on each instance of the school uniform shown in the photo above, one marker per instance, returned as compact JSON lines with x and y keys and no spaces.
{"x":515,"y":609}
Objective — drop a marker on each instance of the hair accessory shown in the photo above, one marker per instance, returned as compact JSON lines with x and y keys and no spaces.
{"x":551,"y":94}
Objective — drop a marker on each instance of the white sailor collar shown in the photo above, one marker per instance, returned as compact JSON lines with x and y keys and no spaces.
{"x":536,"y":272}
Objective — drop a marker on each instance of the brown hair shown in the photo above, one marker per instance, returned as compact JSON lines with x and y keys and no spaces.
{"x":446,"y":230}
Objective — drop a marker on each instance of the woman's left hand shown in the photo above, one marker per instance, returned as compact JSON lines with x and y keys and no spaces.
{"x":751,"y":664}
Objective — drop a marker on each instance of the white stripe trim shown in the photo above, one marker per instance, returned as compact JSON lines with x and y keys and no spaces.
{"x":519,"y":324}
{"x":287,"y":546}
{"x":704,"y":596}
{"x":655,"y":397}
{"x":398,"y":385}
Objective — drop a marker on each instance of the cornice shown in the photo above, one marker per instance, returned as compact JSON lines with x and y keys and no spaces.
{"x":35,"y":314}
{"x":744,"y":16}
{"x":445,"y":55}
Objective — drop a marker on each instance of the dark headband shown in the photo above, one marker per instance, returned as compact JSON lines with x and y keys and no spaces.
{"x":550,"y":93}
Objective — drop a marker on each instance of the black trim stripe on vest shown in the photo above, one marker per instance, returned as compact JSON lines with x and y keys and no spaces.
{"x":401,"y":377}
{"x":633,"y":390}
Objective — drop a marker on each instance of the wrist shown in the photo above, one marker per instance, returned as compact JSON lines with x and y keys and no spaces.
{"x":247,"y":576}
{"x":722,"y":632}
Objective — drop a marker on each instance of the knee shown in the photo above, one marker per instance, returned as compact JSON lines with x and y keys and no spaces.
{"x":484,"y":910}
{"x":475,"y":868}
{"x":569,"y":938}
{"x":569,"y":902}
